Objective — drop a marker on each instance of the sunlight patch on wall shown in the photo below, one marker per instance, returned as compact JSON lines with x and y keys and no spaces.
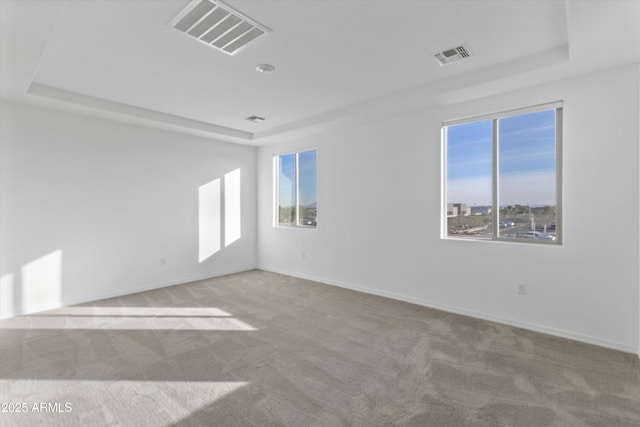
{"x":209,"y":219}
{"x":232,"y":229}
{"x":219,"y":214}
{"x":41,"y":286}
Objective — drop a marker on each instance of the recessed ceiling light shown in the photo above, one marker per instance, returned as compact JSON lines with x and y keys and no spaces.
{"x":255,"y":119}
{"x":265,"y":68}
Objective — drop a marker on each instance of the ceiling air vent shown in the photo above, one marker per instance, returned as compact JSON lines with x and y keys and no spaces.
{"x":255,"y":119}
{"x":219,"y":26}
{"x":448,"y":56}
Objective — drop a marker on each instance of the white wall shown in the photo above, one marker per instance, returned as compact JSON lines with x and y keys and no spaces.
{"x":379,"y":218}
{"x":92,"y":208}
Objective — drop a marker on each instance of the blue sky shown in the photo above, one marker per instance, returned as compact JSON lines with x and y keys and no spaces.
{"x":526,"y":160}
{"x":307,"y":170}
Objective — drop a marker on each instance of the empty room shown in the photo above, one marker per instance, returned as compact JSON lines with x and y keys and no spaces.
{"x":320,"y":213}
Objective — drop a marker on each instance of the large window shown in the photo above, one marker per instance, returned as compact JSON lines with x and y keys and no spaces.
{"x":296,"y":189}
{"x":502,"y":177}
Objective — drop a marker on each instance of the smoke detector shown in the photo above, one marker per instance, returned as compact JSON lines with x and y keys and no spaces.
{"x":454,"y":54}
{"x":218,"y":26}
{"x":255,"y":119}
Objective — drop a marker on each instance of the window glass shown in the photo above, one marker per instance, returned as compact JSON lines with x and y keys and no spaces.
{"x":287,"y":189}
{"x":307,"y":198}
{"x":527,"y":175}
{"x":502,"y":178}
{"x":469,"y":164}
{"x":297,"y":203}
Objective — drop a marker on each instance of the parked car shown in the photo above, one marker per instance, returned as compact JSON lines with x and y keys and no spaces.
{"x":536,"y":235}
{"x":546,"y":227}
{"x":309,"y":221}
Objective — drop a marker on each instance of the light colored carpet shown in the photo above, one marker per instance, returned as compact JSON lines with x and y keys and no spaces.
{"x":262,"y":349}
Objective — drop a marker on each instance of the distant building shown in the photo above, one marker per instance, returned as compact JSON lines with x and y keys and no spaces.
{"x":458,"y":209}
{"x":480,"y":210}
{"x":463,"y":209}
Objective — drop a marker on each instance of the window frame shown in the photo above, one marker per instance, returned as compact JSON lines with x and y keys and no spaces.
{"x":558,"y":106}
{"x":276,"y":188}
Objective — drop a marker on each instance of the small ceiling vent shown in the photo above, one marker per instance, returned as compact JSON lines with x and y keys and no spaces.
{"x":448,"y":56}
{"x":219,"y":26}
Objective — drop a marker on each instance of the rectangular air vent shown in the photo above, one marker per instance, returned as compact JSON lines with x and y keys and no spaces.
{"x":219,"y":26}
{"x":457,"y":53}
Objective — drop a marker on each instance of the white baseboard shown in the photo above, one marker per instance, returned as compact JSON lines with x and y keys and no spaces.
{"x":471,"y":313}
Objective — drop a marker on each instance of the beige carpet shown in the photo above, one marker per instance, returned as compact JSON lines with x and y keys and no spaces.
{"x":262,"y":349}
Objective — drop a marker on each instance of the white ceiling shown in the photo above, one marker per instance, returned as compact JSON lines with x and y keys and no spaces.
{"x":336,"y":61}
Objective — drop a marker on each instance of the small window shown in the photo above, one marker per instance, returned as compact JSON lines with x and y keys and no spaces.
{"x":502,"y":177}
{"x":296,"y":189}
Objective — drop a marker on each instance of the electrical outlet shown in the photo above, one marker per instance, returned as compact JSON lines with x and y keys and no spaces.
{"x":522,"y":289}
{"x":303,"y":256}
{"x":163,"y":261}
